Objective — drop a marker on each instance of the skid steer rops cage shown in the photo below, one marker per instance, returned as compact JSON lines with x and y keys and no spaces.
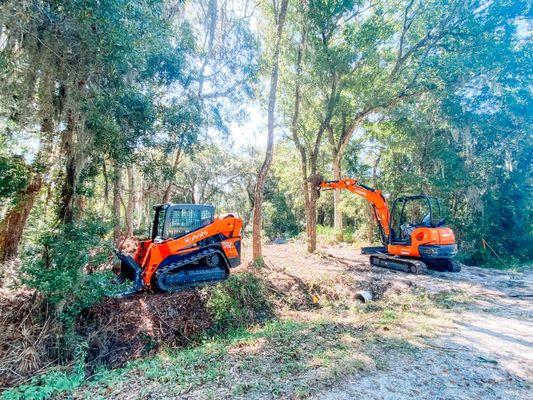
{"x":173,"y":221}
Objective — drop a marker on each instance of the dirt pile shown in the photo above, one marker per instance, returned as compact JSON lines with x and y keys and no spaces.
{"x":113,"y":331}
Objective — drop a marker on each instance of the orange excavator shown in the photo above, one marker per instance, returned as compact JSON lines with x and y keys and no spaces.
{"x":188,"y":245}
{"x":414,"y":236}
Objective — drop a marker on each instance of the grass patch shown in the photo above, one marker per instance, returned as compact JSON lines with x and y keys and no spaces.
{"x":49,"y":385}
{"x":452,"y":299}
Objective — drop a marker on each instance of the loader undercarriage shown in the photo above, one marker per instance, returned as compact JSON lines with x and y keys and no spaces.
{"x":207,"y":265}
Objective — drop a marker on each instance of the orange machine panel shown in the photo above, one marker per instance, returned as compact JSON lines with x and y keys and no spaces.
{"x":423,"y":236}
{"x":229,"y":226}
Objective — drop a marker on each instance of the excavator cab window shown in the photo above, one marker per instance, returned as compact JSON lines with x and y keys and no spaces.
{"x":411,"y":212}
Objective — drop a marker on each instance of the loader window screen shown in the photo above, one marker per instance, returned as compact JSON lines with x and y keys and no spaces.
{"x":183,"y":221}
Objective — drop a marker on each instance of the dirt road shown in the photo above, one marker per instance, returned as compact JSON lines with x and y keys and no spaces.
{"x":482,"y":348}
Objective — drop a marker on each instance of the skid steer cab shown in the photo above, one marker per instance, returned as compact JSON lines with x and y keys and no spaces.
{"x":189,"y":245}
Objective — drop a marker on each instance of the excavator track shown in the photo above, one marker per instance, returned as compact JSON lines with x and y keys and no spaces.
{"x":449,"y":265}
{"x":212,"y":266}
{"x":398,"y":264}
{"x":454,"y":266}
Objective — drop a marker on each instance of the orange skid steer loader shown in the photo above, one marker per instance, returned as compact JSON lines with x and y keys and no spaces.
{"x":188,"y":246}
{"x":413,"y":234}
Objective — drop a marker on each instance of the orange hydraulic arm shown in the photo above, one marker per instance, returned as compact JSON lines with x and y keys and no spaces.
{"x":373,"y":196}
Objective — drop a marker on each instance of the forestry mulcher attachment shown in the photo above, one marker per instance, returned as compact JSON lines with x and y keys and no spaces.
{"x":414,"y":236}
{"x":188,"y":246}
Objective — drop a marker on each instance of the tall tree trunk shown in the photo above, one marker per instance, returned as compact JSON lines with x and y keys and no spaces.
{"x":116,"y":203}
{"x":369,"y":212}
{"x":106,"y":183}
{"x":337,"y":214}
{"x":309,"y":190}
{"x":147,"y":210}
{"x":311,"y":225}
{"x":14,"y":222}
{"x":73,"y":146}
{"x":211,"y":24}
{"x":168,"y":190}
{"x":137,"y":222}
{"x":257,"y":251}
{"x":314,"y":177}
{"x":128,"y":215}
{"x":66,"y":208}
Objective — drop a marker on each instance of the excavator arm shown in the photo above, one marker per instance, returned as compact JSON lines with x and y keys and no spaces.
{"x":373,"y":196}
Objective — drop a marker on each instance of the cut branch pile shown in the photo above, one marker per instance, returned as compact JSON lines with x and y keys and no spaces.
{"x":118,"y":330}
{"x":29,"y":336}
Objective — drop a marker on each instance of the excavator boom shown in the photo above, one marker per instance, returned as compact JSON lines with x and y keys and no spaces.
{"x":373,"y":196}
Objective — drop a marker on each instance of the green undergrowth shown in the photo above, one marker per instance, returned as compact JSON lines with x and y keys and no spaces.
{"x":329,"y":233}
{"x":239,"y":301}
{"x":510,"y":264}
{"x":49,"y":385}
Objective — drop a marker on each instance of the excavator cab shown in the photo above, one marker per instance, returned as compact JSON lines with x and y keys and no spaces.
{"x":411,"y":212}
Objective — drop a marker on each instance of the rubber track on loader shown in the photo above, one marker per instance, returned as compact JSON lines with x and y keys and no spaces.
{"x":161,"y":273}
{"x":398,"y":264}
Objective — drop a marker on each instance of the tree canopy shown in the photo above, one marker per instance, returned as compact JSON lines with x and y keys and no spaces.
{"x":108,"y":107}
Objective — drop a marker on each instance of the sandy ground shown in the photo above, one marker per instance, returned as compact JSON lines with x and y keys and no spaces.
{"x":484,"y":350}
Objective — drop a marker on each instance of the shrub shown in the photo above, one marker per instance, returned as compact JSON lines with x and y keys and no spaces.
{"x":58,"y":266}
{"x":13,"y":175}
{"x":238,"y":301}
{"x":329,"y":234}
{"x":279,"y":220}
